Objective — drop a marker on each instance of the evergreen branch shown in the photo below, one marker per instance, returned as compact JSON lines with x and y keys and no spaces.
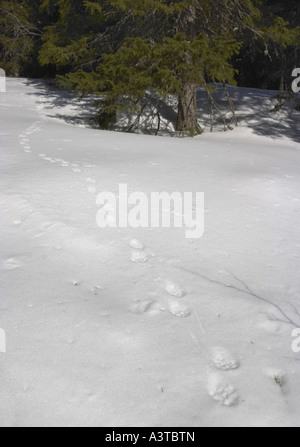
{"x":28,"y":29}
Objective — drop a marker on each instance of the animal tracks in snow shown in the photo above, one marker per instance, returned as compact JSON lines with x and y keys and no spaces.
{"x":24,"y":141}
{"x":63,"y":163}
{"x":36,"y":127}
{"x":223,"y":359}
{"x":141,"y":306}
{"x":24,"y":137}
{"x":91,"y":185}
{"x":136,"y":244}
{"x":219,"y":385}
{"x":174,"y":290}
{"x":177,"y":308}
{"x":76,"y":168}
{"x":221,"y":390}
{"x":176,"y":305}
{"x":138,"y":254}
{"x":139,"y":257}
{"x":12,"y":264}
{"x":172,"y":297}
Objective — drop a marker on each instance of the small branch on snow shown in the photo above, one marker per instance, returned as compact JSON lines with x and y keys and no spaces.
{"x":248,"y":291}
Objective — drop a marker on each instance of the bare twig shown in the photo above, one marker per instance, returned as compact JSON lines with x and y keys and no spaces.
{"x":286,"y":319}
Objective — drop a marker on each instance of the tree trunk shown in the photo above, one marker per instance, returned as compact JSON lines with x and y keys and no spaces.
{"x":187,"y":111}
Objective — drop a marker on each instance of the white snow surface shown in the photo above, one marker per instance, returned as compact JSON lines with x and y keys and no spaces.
{"x":97,"y":334}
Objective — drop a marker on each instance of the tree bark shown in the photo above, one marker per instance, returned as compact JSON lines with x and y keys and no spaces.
{"x":187,"y":111}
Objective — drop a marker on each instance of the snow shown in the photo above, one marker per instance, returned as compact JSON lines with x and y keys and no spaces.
{"x":143,"y":327}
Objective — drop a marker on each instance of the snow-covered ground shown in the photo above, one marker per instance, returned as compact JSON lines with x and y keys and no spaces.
{"x":198,"y":335}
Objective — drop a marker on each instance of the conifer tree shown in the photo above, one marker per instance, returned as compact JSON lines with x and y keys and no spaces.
{"x":17,"y":34}
{"x":22,"y":24}
{"x":121,"y":49}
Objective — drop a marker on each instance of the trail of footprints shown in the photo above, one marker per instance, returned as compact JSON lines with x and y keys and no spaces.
{"x":63,"y":163}
{"x":219,"y":387}
{"x":24,"y":140}
{"x":223,"y":362}
{"x":174,"y":292}
{"x":91,"y":185}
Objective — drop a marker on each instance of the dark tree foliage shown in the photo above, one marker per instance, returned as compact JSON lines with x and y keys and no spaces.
{"x":22,"y":25}
{"x":123,"y":49}
{"x":267,"y":63}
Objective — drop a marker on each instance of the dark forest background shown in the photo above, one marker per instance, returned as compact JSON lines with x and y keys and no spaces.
{"x":121,"y":48}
